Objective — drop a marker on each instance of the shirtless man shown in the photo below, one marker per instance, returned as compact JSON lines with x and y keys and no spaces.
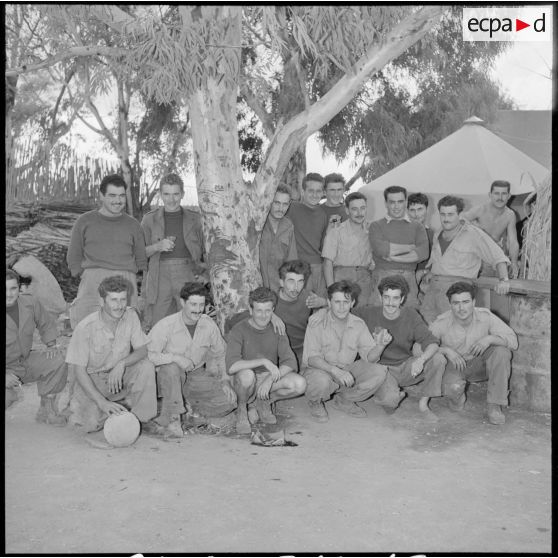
{"x":498,"y":220}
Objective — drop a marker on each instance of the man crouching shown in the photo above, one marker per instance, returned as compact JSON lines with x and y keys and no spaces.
{"x":108,"y":355}
{"x":261,"y":362}
{"x":189,"y":354}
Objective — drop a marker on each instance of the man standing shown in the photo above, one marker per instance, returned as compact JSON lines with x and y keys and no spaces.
{"x":331,"y":345}
{"x":417,"y":207}
{"x":189,"y":355}
{"x":24,"y":313}
{"x":277,"y":244}
{"x":261,"y":363}
{"x":347,"y":253}
{"x":498,"y":220}
{"x":310,"y":224}
{"x":458,"y":249}
{"x":108,"y":355}
{"x":104,"y":242}
{"x":406,"y":328}
{"x":334,"y":186}
{"x":398,"y":243}
{"x":295,"y":302}
{"x":477,"y":345}
{"x":174,"y":246}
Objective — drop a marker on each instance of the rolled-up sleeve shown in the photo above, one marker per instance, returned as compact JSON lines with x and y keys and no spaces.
{"x":499,"y":328}
{"x":156,"y":345}
{"x":78,"y":348}
{"x":312,"y":345}
{"x":331,"y":243}
{"x":487,"y":249}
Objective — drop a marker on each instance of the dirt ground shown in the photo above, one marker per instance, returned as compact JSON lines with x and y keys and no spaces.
{"x":380,"y":484}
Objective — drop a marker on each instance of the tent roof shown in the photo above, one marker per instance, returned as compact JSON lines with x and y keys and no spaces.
{"x":465,"y":162}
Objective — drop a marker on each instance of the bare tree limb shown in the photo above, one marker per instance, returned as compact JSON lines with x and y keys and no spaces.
{"x":97,"y":50}
{"x":253,"y":102}
{"x":294,"y":132}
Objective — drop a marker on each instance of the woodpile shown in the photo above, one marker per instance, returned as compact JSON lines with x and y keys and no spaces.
{"x":43,"y":230}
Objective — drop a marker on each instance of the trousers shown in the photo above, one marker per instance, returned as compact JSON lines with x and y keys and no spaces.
{"x":493,"y":365}
{"x":138,"y":393}
{"x":320,"y":385}
{"x":362,"y":276}
{"x":400,"y":376}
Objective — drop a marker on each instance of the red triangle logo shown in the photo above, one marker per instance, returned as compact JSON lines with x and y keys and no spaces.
{"x":519,"y":25}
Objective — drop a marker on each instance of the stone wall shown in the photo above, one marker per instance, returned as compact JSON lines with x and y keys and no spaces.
{"x":527,"y":310}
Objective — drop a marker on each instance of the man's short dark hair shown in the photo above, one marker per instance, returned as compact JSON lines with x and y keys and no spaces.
{"x":312,"y":177}
{"x":448,"y":201}
{"x":345,"y":287}
{"x":11,"y":274}
{"x":193,"y":289}
{"x":262,"y":294}
{"x":417,"y":198}
{"x":355,"y":196}
{"x":461,"y":287}
{"x":300,"y":267}
{"x":500,"y":184}
{"x":283,"y":189}
{"x":333,"y":177}
{"x":172,"y":179}
{"x":115,"y":284}
{"x":394,"y":190}
{"x":394,"y":282}
{"x":114,"y":180}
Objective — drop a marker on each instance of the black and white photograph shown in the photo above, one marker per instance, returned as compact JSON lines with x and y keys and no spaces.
{"x":278,"y":278}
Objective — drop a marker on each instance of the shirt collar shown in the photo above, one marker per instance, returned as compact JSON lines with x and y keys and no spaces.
{"x":405,"y":218}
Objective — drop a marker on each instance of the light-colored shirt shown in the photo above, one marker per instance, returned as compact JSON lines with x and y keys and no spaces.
{"x":466,"y":252}
{"x":275,"y":249}
{"x":453,"y":335}
{"x":347,"y":245}
{"x":323,"y":340}
{"x":170,"y":336}
{"x":96,"y":347}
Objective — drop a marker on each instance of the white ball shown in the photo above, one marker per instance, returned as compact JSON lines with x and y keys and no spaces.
{"x":121,"y":430}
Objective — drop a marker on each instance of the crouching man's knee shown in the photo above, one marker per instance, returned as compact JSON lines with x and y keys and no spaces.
{"x":245,"y":379}
{"x":454,"y":389}
{"x":295,"y":383}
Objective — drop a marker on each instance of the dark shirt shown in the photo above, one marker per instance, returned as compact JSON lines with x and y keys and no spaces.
{"x":245,"y":342}
{"x":407,"y":329}
{"x":173,"y":227}
{"x":295,"y":315}
{"x":310,"y":225}
{"x":338,"y":210}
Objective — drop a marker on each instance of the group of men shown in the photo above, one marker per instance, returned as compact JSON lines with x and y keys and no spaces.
{"x":346,"y":292}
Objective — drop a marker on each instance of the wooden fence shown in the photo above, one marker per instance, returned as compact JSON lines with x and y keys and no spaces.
{"x":35,"y":173}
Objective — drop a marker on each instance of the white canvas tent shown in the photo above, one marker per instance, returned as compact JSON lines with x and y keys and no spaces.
{"x":463,"y":164}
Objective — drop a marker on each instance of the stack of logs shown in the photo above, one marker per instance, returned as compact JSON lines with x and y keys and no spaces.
{"x":43,"y":230}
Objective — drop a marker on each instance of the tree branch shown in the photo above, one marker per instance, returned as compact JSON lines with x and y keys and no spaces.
{"x":73,"y":52}
{"x":293,"y":133}
{"x":253,"y":102}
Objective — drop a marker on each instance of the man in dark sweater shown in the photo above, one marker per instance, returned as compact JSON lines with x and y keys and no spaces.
{"x":334,"y":208}
{"x":261,"y":363}
{"x":105,"y":242}
{"x":398,"y":243}
{"x":174,"y":246}
{"x":310,"y":225}
{"x":296,"y":303}
{"x":406,"y":328}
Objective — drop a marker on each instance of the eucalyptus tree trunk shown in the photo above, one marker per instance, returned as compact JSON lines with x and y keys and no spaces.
{"x":229,"y":215}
